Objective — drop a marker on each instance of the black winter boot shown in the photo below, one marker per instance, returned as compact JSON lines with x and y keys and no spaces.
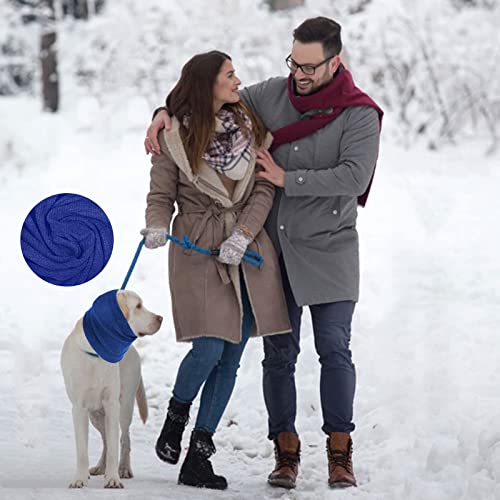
{"x":168,"y":445}
{"x":197,"y":469}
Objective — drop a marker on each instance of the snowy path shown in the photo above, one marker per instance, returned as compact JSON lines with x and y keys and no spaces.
{"x":424,"y":339}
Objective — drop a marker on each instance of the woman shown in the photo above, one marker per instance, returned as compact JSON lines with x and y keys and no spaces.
{"x":207,"y":166}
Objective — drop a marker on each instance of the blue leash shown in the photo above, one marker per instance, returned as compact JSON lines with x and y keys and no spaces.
{"x":251,"y":257}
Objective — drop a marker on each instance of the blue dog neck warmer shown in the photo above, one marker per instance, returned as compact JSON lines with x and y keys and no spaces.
{"x":106,"y":328}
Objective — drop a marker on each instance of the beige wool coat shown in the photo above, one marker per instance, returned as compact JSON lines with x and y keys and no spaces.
{"x":206,"y":295}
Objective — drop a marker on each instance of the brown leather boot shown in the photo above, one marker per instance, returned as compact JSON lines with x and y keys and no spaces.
{"x":339,"y":449}
{"x":287,"y":454}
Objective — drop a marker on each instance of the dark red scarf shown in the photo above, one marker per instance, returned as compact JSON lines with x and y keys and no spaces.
{"x":324,"y":105}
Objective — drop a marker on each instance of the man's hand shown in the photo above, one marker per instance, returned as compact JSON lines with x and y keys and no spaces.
{"x":161,"y":120}
{"x":272,"y":172}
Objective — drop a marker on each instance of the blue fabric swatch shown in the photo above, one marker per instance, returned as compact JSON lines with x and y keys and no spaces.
{"x":106,"y":328}
{"x":67,"y":239}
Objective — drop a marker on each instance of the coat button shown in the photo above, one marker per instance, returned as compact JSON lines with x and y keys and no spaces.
{"x":295,"y":148}
{"x":282,"y":227}
{"x":335,"y":212}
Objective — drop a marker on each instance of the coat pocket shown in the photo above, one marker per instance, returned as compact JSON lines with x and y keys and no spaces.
{"x":335,"y":211}
{"x":315,"y":218}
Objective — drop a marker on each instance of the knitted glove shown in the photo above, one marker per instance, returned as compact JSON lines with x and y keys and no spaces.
{"x":154,"y":236}
{"x":232,"y":249}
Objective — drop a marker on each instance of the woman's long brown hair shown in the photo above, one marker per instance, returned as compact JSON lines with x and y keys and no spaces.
{"x":193,"y":95}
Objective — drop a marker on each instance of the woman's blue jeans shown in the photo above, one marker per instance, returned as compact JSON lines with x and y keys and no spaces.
{"x":214,"y":362}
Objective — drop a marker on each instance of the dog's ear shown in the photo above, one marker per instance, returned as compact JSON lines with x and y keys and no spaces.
{"x":122,"y":303}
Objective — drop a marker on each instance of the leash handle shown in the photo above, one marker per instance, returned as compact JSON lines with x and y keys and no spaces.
{"x":256,"y":260}
{"x":249,"y":256}
{"x":254,"y":255}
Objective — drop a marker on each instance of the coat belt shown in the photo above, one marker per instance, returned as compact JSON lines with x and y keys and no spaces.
{"x":201,"y":224}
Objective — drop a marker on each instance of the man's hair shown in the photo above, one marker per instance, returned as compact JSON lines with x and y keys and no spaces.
{"x":323,"y":30}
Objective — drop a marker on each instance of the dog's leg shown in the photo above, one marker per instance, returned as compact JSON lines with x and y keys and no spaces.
{"x":126,"y":413}
{"x":81,"y":426}
{"x":112,"y":430}
{"x":97,"y":419}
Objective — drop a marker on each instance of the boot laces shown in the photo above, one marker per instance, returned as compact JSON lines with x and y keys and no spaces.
{"x":206,"y":465}
{"x":174,"y":426}
{"x":177,"y":418}
{"x":286,"y":459}
{"x":205,"y":448}
{"x":342,"y":458}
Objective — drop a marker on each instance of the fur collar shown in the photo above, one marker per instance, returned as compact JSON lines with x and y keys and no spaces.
{"x":207,"y":180}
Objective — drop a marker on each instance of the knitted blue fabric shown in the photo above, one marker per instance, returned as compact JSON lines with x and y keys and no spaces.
{"x":106,"y":328}
{"x":67,"y":239}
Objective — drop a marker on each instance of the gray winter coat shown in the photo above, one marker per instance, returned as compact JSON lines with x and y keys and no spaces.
{"x":313,"y":218}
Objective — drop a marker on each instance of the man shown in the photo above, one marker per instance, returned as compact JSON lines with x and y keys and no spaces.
{"x":326,"y":138}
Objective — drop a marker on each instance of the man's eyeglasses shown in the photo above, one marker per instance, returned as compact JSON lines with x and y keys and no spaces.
{"x":307,"y":69}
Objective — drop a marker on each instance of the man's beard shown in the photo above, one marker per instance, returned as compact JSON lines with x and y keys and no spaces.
{"x":313,"y":89}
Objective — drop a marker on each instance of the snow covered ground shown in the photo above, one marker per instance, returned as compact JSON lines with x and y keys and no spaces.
{"x":424,"y":336}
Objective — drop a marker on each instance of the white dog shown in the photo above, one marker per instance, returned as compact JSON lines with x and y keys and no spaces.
{"x":105,"y":392}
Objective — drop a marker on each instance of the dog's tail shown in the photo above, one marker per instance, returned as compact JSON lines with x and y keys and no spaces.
{"x":142,"y":402}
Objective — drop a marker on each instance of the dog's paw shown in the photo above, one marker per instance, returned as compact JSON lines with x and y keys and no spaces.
{"x":125,"y":472}
{"x":78,"y":483}
{"x":113,"y":482}
{"x":98,"y":470}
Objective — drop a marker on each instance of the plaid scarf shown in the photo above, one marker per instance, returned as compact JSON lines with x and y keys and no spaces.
{"x":229,"y":152}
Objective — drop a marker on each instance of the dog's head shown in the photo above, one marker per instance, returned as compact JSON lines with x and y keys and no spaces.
{"x":141,"y":320}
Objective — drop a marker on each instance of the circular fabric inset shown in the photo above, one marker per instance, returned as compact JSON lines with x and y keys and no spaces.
{"x":67,"y":239}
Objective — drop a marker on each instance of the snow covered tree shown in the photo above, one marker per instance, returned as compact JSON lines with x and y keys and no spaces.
{"x":28,"y":43}
{"x":284,"y":4}
{"x":17,"y":50}
{"x":82,"y":9}
{"x":48,"y":57}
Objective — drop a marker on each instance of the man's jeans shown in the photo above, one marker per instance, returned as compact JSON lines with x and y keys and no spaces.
{"x":332,"y":333}
{"x":213,"y":361}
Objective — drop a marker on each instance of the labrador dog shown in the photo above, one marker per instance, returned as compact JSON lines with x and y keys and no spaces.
{"x":105,"y":393}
